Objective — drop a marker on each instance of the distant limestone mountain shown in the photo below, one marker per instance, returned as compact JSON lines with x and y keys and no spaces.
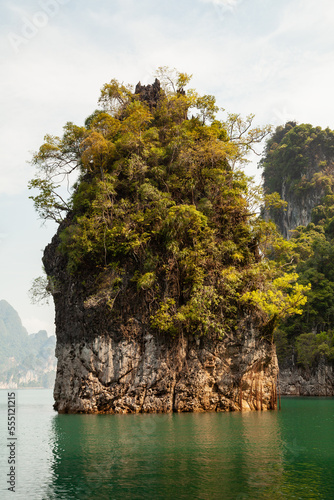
{"x":25,"y":360}
{"x":299,"y":166}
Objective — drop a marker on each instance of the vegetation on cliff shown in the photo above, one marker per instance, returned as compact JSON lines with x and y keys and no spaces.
{"x":161,"y":223}
{"x":301,"y":159}
{"x":298,"y":158}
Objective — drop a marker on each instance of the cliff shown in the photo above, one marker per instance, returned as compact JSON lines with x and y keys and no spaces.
{"x":298,"y":211}
{"x":299,"y":166}
{"x":311,"y":381}
{"x":157,"y":258}
{"x":105,"y":367}
{"x":25,"y":360}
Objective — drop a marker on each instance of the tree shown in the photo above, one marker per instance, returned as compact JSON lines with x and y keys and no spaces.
{"x":56,"y":160}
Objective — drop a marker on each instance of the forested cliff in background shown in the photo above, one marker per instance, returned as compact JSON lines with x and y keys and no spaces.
{"x":299,"y":165}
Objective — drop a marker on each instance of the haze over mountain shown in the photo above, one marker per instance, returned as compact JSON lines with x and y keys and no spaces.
{"x":25,"y":360}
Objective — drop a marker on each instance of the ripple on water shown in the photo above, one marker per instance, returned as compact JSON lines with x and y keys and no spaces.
{"x":287,"y":454}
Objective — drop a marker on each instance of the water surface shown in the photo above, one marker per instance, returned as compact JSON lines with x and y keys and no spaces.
{"x":286,"y":454}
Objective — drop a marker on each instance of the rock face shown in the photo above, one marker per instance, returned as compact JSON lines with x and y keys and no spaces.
{"x":149,"y":93}
{"x":150,"y":374}
{"x":105,"y":369}
{"x":300,"y":204}
{"x":299,"y":209}
{"x":317,"y":381}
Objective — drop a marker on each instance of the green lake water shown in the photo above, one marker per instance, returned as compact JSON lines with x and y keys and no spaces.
{"x":281,"y":454}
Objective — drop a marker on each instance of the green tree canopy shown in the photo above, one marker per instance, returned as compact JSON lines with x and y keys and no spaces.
{"x":300,"y":156}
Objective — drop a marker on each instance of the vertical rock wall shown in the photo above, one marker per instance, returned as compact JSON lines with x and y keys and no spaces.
{"x":153,"y":374}
{"x":108,"y":368}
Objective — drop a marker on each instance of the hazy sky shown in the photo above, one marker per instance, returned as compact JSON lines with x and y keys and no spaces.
{"x":268,"y":57}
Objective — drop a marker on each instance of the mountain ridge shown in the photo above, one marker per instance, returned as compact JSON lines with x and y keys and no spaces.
{"x":25,"y":360}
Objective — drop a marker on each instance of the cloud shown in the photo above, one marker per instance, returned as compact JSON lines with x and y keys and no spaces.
{"x":223,"y":3}
{"x":223,"y":8}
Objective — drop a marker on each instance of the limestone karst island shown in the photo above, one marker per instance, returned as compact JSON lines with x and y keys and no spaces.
{"x":171,"y":281}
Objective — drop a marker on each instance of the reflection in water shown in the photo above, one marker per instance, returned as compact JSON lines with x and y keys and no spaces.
{"x":269,"y":455}
{"x":263,"y":457}
{"x":307,"y":429}
{"x":203,"y":456}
